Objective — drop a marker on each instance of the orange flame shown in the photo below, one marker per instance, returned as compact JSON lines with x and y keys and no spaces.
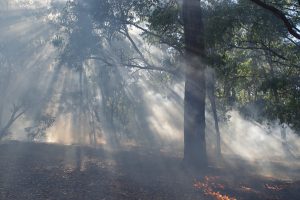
{"x":208,"y":185}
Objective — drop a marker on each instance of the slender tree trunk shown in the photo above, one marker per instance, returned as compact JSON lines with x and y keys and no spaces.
{"x":81,"y":136}
{"x":210,"y":88}
{"x":214,"y":110}
{"x":194,"y":100}
{"x":274,"y":90}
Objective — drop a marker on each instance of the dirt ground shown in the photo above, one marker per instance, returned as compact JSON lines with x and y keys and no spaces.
{"x":34,"y":171}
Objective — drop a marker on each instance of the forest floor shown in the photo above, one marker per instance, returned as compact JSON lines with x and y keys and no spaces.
{"x":34,"y":171}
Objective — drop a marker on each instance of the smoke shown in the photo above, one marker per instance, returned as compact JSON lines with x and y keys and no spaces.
{"x":116,"y":105}
{"x":262,"y":145}
{"x":252,"y":140}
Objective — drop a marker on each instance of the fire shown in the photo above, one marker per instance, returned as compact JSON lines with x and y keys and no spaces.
{"x":209,"y":185}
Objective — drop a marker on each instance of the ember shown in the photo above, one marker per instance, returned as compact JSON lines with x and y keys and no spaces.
{"x":209,"y":186}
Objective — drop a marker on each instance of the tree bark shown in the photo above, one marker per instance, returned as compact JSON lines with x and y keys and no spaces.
{"x":194,"y":100}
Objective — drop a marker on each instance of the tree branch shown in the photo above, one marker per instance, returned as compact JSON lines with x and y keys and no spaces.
{"x":280,"y":15}
{"x":162,"y":40}
{"x":259,"y":48}
{"x":161,"y":69}
{"x":14,"y":116}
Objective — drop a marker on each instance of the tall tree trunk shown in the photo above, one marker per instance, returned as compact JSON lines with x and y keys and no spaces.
{"x":194,"y":100}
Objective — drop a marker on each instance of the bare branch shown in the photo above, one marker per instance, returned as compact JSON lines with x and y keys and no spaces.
{"x":16,"y":113}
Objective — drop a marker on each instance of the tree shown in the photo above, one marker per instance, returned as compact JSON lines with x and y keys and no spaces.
{"x":195,"y":89}
{"x":113,"y":19}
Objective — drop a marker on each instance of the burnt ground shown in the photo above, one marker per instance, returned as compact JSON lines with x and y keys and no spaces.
{"x":47,"y":171}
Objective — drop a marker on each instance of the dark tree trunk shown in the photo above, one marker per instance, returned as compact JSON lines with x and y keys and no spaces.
{"x":214,"y":110}
{"x":194,"y":100}
{"x":194,"y":120}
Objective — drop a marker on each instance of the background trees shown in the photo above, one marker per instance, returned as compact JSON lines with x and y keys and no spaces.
{"x":258,"y":55}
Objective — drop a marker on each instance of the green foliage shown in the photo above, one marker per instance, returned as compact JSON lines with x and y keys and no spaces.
{"x":257,"y":60}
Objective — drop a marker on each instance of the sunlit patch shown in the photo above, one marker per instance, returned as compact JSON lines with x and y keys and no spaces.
{"x":277,"y":187}
{"x":246,"y":189}
{"x":62,"y":131}
{"x":52,"y":17}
